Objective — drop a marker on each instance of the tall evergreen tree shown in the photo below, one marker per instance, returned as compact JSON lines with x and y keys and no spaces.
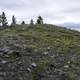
{"x":40,"y":20}
{"x":0,"y":19}
{"x":23,"y":23}
{"x":4,"y":20}
{"x":31,"y":22}
{"x":13,"y":20}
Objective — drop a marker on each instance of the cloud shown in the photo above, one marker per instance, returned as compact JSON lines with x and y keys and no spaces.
{"x":53,"y":11}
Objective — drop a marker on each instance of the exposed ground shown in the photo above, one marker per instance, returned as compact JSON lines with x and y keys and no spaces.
{"x":39,"y":52}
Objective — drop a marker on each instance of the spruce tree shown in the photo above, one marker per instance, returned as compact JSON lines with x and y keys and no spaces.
{"x":4,"y":20}
{"x":23,"y":23}
{"x":31,"y":22}
{"x":40,"y":20}
{"x":0,"y":19}
{"x":13,"y":20}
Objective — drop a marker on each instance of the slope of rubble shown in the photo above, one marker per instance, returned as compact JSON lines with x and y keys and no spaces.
{"x":39,"y":52}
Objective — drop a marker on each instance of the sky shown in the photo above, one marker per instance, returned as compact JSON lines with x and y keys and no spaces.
{"x":52,"y":11}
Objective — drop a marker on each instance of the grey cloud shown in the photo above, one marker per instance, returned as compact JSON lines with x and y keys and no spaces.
{"x":72,"y":11}
{"x":52,"y":10}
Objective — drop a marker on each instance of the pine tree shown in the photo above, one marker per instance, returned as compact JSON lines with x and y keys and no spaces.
{"x":23,"y":23}
{"x":31,"y":22}
{"x":13,"y":20}
{"x":4,"y":20}
{"x":40,"y":20}
{"x":0,"y":19}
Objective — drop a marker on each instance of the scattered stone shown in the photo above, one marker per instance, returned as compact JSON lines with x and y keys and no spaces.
{"x":52,"y":56}
{"x":69,"y":62}
{"x":2,"y":74}
{"x":28,"y":69}
{"x":4,"y":62}
{"x":48,"y":48}
{"x":33,"y":65}
{"x":6,"y":50}
{"x":45,"y":53}
{"x":66,"y":66}
{"x":1,"y":50}
{"x":35,"y":50}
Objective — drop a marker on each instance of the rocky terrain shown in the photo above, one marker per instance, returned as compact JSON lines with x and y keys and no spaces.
{"x":39,"y":52}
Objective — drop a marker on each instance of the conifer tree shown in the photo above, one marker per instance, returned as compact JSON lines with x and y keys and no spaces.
{"x":31,"y":22}
{"x":40,"y":20}
{"x":4,"y":20}
{"x":0,"y":19}
{"x":13,"y":20}
{"x":23,"y":23}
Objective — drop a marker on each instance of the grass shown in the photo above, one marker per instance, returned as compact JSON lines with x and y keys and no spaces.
{"x":39,"y":39}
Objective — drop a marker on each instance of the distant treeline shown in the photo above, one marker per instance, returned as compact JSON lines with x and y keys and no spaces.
{"x":4,"y":22}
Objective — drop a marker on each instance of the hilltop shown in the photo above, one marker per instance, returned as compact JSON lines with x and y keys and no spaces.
{"x":39,"y":52}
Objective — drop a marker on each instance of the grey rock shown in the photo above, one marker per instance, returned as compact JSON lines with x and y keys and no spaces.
{"x":33,"y":64}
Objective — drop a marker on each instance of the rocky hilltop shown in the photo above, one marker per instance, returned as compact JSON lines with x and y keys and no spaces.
{"x":39,"y":52}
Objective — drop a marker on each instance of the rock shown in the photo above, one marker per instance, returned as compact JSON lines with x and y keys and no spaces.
{"x":66,"y":66}
{"x":35,"y":50}
{"x":3,"y":62}
{"x":69,"y":62}
{"x":2,"y":74}
{"x":1,"y":50}
{"x":20,"y":63}
{"x":28,"y":69}
{"x":48,"y":48}
{"x":6,"y":50}
{"x":10,"y":52}
{"x":33,"y":65}
{"x":53,"y":56}
{"x":1,"y":53}
{"x":7,"y":56}
{"x":45,"y":53}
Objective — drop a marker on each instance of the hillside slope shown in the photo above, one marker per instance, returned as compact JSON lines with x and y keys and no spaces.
{"x":39,"y":52}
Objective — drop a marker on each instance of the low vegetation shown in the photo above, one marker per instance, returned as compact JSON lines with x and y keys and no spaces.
{"x":39,"y":52}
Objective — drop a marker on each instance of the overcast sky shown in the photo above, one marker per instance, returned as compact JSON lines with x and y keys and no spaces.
{"x":53,"y":11}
